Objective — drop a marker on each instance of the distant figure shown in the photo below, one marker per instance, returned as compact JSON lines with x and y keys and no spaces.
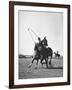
{"x":57,"y":54}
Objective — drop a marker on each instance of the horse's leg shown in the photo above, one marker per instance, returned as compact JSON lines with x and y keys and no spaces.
{"x":31,"y":63}
{"x":41,"y":62}
{"x":58,"y":56}
{"x":33,"y":60}
{"x":41,"y":59}
{"x":55,"y":56}
{"x":50,"y":59}
{"x":46,"y":62}
{"x":37,"y":64}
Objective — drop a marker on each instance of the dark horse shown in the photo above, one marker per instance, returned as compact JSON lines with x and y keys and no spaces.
{"x":57,"y":54}
{"x":42,"y":53}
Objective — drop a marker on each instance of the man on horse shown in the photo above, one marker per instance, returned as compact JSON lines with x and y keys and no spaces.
{"x":42,"y":52}
{"x":37,"y":48}
{"x":40,"y":42}
{"x":44,"y":42}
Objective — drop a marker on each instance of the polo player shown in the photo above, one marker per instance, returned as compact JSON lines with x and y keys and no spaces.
{"x":44,"y":42}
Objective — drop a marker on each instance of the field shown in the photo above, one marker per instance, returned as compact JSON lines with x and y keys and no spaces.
{"x":55,"y":70}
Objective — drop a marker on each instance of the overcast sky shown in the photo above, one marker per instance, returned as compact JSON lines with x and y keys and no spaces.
{"x":49,"y":24}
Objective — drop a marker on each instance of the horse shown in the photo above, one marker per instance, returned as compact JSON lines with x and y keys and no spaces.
{"x":42,"y":53}
{"x":57,"y":54}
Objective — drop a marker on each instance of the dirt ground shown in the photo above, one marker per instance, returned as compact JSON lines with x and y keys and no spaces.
{"x":56,"y":70}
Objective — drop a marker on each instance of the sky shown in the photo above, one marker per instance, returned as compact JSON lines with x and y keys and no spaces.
{"x":49,"y":24}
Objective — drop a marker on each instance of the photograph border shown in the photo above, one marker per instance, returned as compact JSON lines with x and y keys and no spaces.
{"x":11,"y":43}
